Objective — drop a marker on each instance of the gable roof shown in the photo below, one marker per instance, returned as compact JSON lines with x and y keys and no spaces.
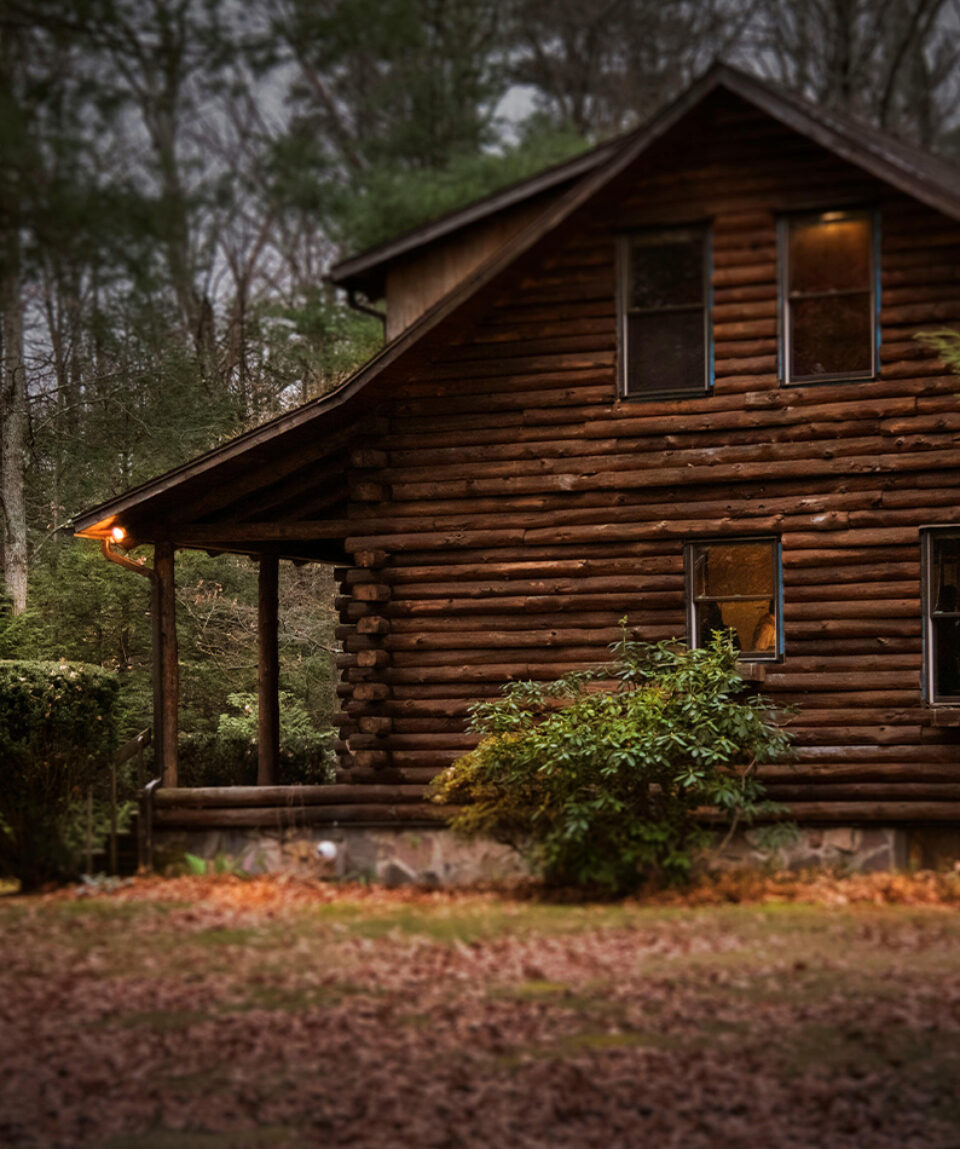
{"x":851,"y":138}
{"x":909,"y":169}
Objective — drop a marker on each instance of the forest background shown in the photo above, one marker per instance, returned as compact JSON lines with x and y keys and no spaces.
{"x":178,"y":175}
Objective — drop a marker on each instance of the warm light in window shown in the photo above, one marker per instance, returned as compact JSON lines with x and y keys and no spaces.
{"x":832,"y":216}
{"x":118,"y":534}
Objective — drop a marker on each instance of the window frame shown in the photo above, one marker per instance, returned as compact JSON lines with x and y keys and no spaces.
{"x":927,"y":597}
{"x":784,"y":349}
{"x":689,"y":550}
{"x":625,"y":243}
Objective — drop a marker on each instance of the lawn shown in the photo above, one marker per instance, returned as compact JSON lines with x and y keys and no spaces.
{"x":196,"y":1012}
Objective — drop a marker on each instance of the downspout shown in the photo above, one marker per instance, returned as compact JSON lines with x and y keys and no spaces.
{"x":365,"y":308}
{"x":106,"y":549}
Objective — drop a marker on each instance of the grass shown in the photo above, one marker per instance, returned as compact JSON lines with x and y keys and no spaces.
{"x":266,"y":1017}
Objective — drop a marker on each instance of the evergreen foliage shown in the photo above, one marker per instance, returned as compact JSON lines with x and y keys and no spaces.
{"x":58,"y":730}
{"x":601,"y":788}
{"x":393,"y":200}
{"x":228,"y":756}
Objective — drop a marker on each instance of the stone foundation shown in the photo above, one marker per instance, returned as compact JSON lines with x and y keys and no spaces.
{"x":437,"y":857}
{"x":846,"y":848}
{"x":393,"y":857}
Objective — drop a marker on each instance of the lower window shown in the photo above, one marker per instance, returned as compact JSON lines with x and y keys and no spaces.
{"x":941,"y":614}
{"x":735,"y":585}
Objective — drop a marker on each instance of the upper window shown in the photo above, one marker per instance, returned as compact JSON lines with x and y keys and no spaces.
{"x":664,"y":313}
{"x":828,"y":297}
{"x":941,"y":598}
{"x":735,"y":584}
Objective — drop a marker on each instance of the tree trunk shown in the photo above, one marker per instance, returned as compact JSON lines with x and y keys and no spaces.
{"x":13,"y":426}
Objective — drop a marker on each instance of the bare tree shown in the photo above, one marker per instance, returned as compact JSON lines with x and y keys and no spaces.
{"x":890,"y":62}
{"x":604,"y":67}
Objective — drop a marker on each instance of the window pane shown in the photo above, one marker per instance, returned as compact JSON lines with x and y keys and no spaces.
{"x":667,"y":273}
{"x":724,"y":569}
{"x":830,"y":255}
{"x":753,"y":623}
{"x":946,"y":657}
{"x":946,"y":573}
{"x":831,"y":336}
{"x":666,"y":353}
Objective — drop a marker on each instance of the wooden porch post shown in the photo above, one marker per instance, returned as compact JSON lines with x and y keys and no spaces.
{"x":268,"y":679}
{"x":156,"y":648}
{"x":166,"y":661}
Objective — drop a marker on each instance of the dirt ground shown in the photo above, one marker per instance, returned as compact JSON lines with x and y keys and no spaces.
{"x":195,"y":1012}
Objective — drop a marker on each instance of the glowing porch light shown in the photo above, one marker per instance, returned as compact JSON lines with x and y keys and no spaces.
{"x":118,"y":534}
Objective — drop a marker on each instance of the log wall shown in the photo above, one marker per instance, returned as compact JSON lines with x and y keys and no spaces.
{"x":513,"y":509}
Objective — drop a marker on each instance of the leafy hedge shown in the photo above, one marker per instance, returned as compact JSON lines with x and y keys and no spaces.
{"x":57,"y":736}
{"x":601,"y":788}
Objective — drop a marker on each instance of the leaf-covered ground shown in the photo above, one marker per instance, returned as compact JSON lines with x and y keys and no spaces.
{"x":217,"y":1012}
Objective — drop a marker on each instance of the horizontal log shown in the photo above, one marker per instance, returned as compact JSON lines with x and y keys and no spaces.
{"x":889,"y":772}
{"x":404,"y":814}
{"x":598,"y":516}
{"x":617,"y":603}
{"x":493,"y":639}
{"x":371,"y":592}
{"x":374,"y":759}
{"x":840,"y":754}
{"x":378,"y":725}
{"x":676,"y":453}
{"x":872,"y":813}
{"x":373,"y":625}
{"x":228,"y":797}
{"x":368,"y":492}
{"x":371,"y":559}
{"x":652,"y":593}
{"x":370,"y":691}
{"x":444,"y":740}
{"x":815,"y":697}
{"x":651,"y":477}
{"x":807,"y":732}
{"x":865,"y":791}
{"x":421,"y":775}
{"x":373,"y":658}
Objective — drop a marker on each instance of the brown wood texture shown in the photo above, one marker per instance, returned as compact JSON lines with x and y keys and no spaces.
{"x":513,"y":509}
{"x":268,"y":672}
{"x":166,"y":661}
{"x":281,"y":817}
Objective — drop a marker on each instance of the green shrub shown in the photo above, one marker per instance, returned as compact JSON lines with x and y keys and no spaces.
{"x":57,"y":735}
{"x":229,"y":756}
{"x":601,"y":788}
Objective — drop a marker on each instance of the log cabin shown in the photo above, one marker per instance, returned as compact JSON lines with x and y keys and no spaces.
{"x":676,"y":379}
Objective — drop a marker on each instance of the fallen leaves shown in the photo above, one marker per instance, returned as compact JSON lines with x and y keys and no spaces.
{"x":752,"y":1010}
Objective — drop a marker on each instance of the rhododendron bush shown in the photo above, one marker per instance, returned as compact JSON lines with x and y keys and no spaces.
{"x":602,"y":788}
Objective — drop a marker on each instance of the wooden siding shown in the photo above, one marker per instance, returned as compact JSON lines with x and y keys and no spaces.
{"x":510,"y":509}
{"x":418,"y":280}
